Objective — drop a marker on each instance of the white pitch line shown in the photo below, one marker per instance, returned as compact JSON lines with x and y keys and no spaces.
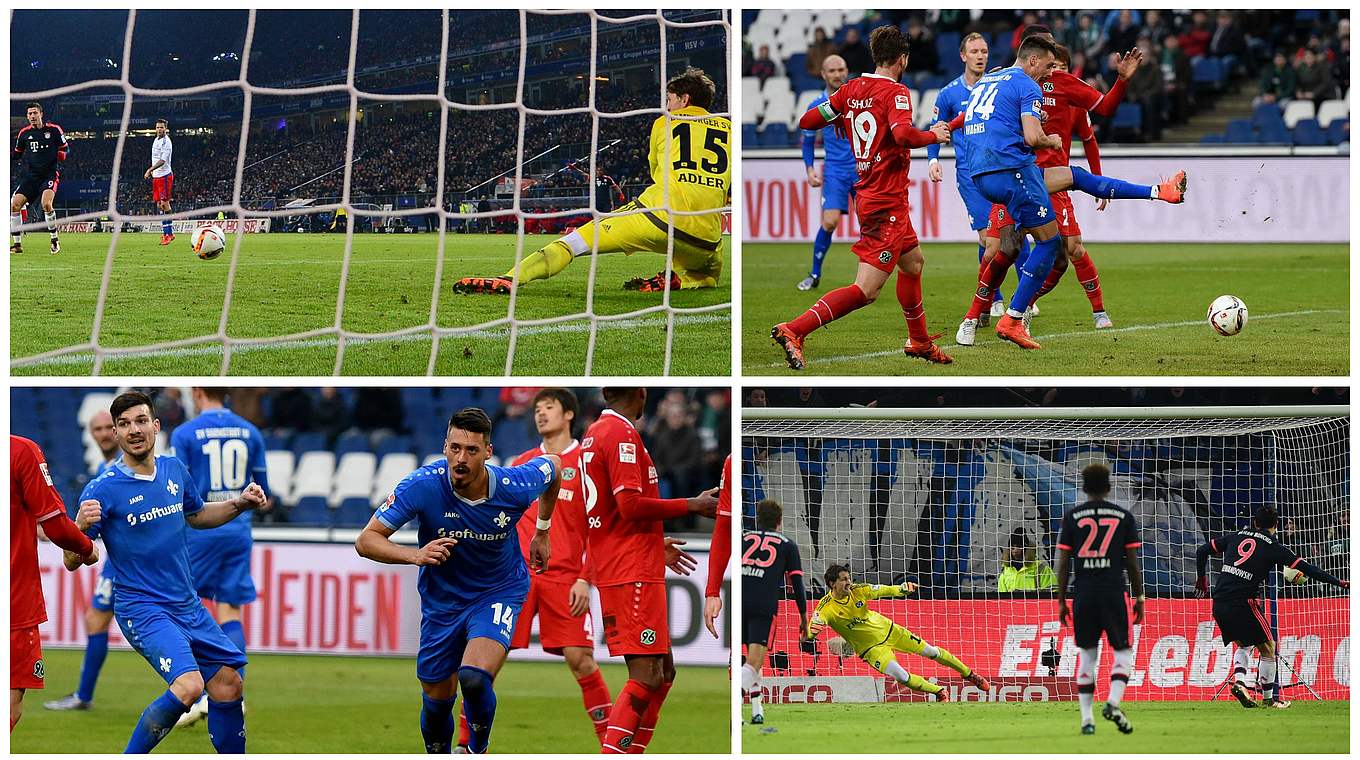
{"x":500,"y":333}
{"x":1079,"y":334}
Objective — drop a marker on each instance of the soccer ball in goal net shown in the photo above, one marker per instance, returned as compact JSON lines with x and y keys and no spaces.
{"x":968,"y":503}
{"x":499,"y":133}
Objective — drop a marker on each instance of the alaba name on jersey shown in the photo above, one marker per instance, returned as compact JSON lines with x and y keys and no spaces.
{"x":224,"y":453}
{"x":486,"y":557}
{"x":870,"y":106}
{"x":614,"y":459}
{"x":144,"y":530}
{"x":567,"y":536}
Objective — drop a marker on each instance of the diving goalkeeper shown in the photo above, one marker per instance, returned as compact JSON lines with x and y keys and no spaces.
{"x":693,"y":158}
{"x":875,"y":638}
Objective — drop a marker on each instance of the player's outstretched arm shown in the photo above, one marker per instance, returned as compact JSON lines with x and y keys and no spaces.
{"x":215,"y":513}
{"x":1318,"y":574}
{"x":1064,"y":563}
{"x":375,"y":543}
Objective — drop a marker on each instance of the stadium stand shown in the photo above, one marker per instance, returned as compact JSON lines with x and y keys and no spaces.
{"x":329,"y":477}
{"x":1198,"y":82}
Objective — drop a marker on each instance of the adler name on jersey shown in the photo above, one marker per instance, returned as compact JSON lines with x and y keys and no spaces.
{"x":695,"y":178}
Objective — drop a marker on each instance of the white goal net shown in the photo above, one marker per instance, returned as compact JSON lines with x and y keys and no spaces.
{"x":968,"y":504}
{"x":659,"y":314}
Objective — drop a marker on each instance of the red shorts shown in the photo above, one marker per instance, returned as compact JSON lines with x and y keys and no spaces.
{"x":162,"y":187}
{"x":884,"y":237}
{"x":997,"y":219}
{"x":635,"y":619}
{"x":557,"y":628}
{"x":1067,"y":215}
{"x":25,"y":659}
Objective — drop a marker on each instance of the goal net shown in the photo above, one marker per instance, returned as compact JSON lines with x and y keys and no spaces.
{"x":952,"y":498}
{"x":528,"y":118}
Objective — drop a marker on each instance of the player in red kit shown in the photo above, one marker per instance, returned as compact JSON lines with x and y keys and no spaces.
{"x":629,"y":555}
{"x":875,"y":110}
{"x":720,"y":551}
{"x":33,"y":501}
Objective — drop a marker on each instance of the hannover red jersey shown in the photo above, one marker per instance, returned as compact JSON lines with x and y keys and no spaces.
{"x":32,"y":499}
{"x":621,"y":551}
{"x":567,"y":537}
{"x":1067,"y":103}
{"x":870,"y":107}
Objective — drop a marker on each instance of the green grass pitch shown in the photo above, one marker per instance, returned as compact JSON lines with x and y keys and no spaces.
{"x":1298,"y":297}
{"x":288,"y":284}
{"x":1050,"y":728}
{"x":361,"y":705}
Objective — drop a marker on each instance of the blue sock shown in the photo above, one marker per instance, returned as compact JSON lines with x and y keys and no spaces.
{"x":436,"y":724}
{"x":166,"y":229}
{"x":156,"y":721}
{"x":1032,"y":274}
{"x":237,"y":634}
{"x":820,"y":246}
{"x":96,"y":649}
{"x":227,"y":727}
{"x":1108,"y":187}
{"x":479,"y":705}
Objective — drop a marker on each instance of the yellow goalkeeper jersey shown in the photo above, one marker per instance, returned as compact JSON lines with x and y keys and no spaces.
{"x":861,"y":627}
{"x":699,"y":167}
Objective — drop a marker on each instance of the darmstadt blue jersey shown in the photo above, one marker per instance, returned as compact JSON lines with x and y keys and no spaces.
{"x":487,"y":556}
{"x":992,"y":127}
{"x":840,"y":158}
{"x":143,"y":527}
{"x":224,"y":454}
{"x":950,"y":102}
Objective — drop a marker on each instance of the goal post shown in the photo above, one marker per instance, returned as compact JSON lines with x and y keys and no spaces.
{"x":967,"y":502}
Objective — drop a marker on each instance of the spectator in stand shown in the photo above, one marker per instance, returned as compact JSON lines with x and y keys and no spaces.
{"x":1146,"y":89}
{"x":924,"y":57}
{"x":1026,"y":21}
{"x":1021,"y":568}
{"x":291,"y":410}
{"x":856,"y":55}
{"x":1228,"y":42}
{"x":1277,"y":81}
{"x":1089,"y":38}
{"x":1154,"y":26}
{"x":1341,"y":63}
{"x":1195,"y":40}
{"x":1176,"y":76}
{"x":1080,"y":68}
{"x":675,"y":446}
{"x":378,"y":412}
{"x":1313,"y":79}
{"x":762,"y":67}
{"x":1123,"y":35}
{"x":821,"y":47}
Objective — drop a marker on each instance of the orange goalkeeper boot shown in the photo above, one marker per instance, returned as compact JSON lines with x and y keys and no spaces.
{"x":1011,"y":329}
{"x":655,"y":284}
{"x":978,"y":681}
{"x":791,"y":343}
{"x":928,"y":350}
{"x":1173,"y":190}
{"x":494,"y":285}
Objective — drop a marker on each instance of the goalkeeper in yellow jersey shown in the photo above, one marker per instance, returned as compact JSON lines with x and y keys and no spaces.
{"x":691,"y":157}
{"x":875,"y":638}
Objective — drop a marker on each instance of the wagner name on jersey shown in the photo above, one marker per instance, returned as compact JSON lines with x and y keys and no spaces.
{"x":693,"y":161}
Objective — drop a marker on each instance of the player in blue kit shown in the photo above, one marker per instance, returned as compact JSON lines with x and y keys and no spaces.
{"x":223,"y":452}
{"x":473,"y":579}
{"x":141,"y":506}
{"x":951,"y":101}
{"x":836,"y":177}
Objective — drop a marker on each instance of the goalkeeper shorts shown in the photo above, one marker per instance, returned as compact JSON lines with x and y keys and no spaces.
{"x":646,"y":232}
{"x":899,"y":639}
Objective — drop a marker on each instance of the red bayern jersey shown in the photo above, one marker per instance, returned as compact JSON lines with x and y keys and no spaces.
{"x":615,"y":460}
{"x":1065,"y":96}
{"x":567,"y":536}
{"x":870,"y":107}
{"x":32,"y":499}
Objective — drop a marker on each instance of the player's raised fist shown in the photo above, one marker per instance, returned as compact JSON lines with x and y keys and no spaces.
{"x":1128,"y":63}
{"x":251,"y":498}
{"x":436,"y":552}
{"x":705,"y":504}
{"x":1202,"y":587}
{"x":88,"y":515}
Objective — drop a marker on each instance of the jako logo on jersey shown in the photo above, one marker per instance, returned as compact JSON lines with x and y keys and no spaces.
{"x":501,"y":520}
{"x":172,"y":487}
{"x":46,"y":475}
{"x":628,"y":453}
{"x":648,"y":637}
{"x":136,"y":499}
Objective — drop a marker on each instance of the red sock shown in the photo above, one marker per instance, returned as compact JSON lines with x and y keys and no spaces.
{"x":990,"y":277}
{"x":1050,"y":283}
{"x":464,"y":733}
{"x":828,"y":308}
{"x":1090,"y":280}
{"x":649,"y":719}
{"x":913,"y":310}
{"x":625,"y":716}
{"x":595,"y":694}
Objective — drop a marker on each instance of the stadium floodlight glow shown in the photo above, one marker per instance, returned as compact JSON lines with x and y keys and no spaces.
{"x":336,"y":332}
{"x":955,"y":499}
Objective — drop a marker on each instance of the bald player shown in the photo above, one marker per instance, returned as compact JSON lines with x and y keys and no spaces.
{"x":836,"y":176}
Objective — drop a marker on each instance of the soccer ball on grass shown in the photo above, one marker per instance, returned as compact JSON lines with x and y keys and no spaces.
{"x":209,"y":240}
{"x":1227,"y":315}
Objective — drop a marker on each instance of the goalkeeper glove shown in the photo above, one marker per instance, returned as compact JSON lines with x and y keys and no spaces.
{"x":1202,"y":587}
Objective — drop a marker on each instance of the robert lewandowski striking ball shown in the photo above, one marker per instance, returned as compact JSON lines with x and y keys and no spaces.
{"x":875,"y":110}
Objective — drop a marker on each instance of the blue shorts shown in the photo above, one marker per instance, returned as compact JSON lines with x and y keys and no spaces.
{"x":103,"y":589}
{"x":177,"y":638}
{"x":977,"y":207}
{"x":1021,"y":190}
{"x":837,"y":190}
{"x":444,"y":635}
{"x":220,"y":564}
